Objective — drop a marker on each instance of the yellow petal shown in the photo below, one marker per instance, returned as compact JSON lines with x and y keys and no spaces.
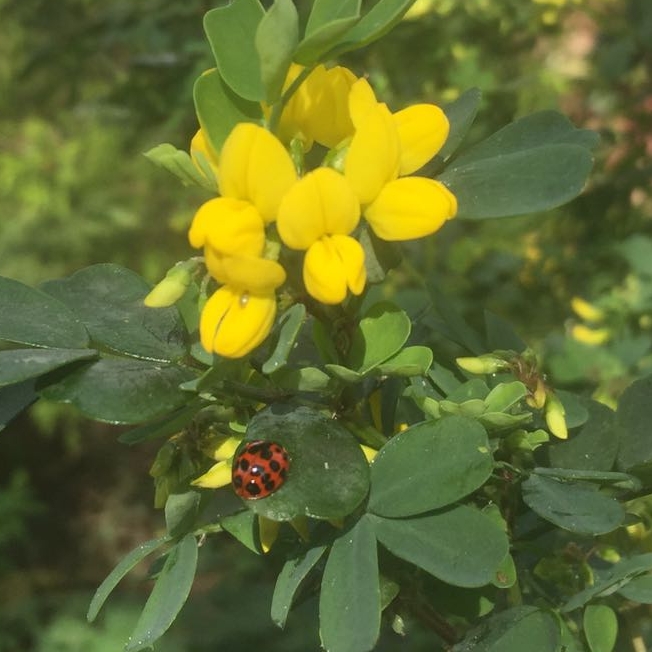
{"x":362,"y":100}
{"x":590,"y":336}
{"x":369,"y":452}
{"x":374,"y":154}
{"x":234,"y":322}
{"x":422,"y":131}
{"x":256,"y":275}
{"x":219,"y":475}
{"x":333,"y":265}
{"x":326,"y":93}
{"x":230,"y":226}
{"x":222,"y":448}
{"x":586,"y":310}
{"x":267,"y":532}
{"x":321,"y":203}
{"x":255,"y":166}
{"x":203,"y":155}
{"x":411,"y":207}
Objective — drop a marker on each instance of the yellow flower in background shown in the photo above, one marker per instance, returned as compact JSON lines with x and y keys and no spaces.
{"x":319,"y":109}
{"x":317,"y":215}
{"x":387,"y":146}
{"x":586,"y":310}
{"x":590,"y":336}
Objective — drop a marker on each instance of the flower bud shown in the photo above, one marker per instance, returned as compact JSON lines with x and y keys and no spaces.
{"x":484,"y":364}
{"x":556,"y":417}
{"x":168,"y":291}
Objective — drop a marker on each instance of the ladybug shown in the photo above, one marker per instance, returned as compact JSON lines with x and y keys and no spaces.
{"x":260,"y":469}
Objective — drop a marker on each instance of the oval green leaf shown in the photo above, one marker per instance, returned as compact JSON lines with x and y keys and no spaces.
{"x":14,"y":399}
{"x":35,"y":318}
{"x":428,"y":466}
{"x":349,"y":602}
{"x":461,"y":545}
{"x":638,"y":590}
{"x":573,"y":506}
{"x":219,"y":109}
{"x":122,"y":390}
{"x":179,"y":163}
{"x":168,"y":596}
{"x":231,"y":32}
{"x":633,"y":425}
{"x":109,"y":301}
{"x":521,"y":629}
{"x":600,"y":627}
{"x":381,"y":333}
{"x":17,"y":365}
{"x":128,"y":562}
{"x":410,"y":361}
{"x":329,"y":474}
{"x":289,"y":580}
{"x":288,"y":328}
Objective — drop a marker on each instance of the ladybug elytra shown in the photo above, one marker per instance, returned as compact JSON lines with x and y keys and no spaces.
{"x":260,"y":469}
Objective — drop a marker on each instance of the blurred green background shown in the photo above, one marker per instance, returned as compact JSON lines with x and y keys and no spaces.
{"x":87,"y":87}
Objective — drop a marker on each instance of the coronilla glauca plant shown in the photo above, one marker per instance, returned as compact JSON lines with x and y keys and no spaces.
{"x":407,"y":466}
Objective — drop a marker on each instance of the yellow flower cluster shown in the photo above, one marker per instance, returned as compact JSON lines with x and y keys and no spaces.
{"x":366,"y":175}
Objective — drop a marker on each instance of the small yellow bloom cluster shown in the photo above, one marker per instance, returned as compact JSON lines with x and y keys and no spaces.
{"x":367,"y":174}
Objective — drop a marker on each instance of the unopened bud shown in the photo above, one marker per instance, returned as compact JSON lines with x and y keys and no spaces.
{"x":556,"y":417}
{"x":484,"y":364}
{"x":537,"y":398}
{"x":168,"y":291}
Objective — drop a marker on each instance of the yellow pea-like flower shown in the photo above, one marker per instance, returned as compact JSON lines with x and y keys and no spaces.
{"x":234,"y":322}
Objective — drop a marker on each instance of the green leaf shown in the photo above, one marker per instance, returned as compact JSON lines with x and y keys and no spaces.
{"x":506,"y":574}
{"x":289,"y":580}
{"x":219,"y":109}
{"x":594,"y":447}
{"x":410,"y":361}
{"x":576,"y":507}
{"x":290,"y":324}
{"x":379,"y":20}
{"x":181,"y":511}
{"x":428,"y":466}
{"x":109,"y":301}
{"x":14,"y":399}
{"x":505,"y":395}
{"x":638,"y":590}
{"x":168,"y":596}
{"x":461,"y":114}
{"x":306,"y":379}
{"x":181,"y":165}
{"x":633,"y":425}
{"x":122,"y":390}
{"x":619,"y":576}
{"x":17,"y":365}
{"x":34,"y":318}
{"x":126,"y":564}
{"x":380,"y":256}
{"x":576,"y":413}
{"x":459,"y":545}
{"x":344,"y":374}
{"x":501,"y":334}
{"x":349,"y":602}
{"x":164,"y":427}
{"x":612,"y":478}
{"x":231,"y":32}
{"x":519,"y":629}
{"x":276,"y":38}
{"x":328,"y":20}
{"x":534,"y":164}
{"x":329,"y":474}
{"x":381,"y":333}
{"x":244,"y":527}
{"x":600,"y":627}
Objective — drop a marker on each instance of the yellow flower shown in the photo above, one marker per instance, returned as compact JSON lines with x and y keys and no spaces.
{"x":586,"y":310}
{"x":590,"y":336}
{"x":386,"y":146}
{"x":318,"y":110}
{"x":255,"y":171}
{"x":235,"y":321}
{"x":317,"y":215}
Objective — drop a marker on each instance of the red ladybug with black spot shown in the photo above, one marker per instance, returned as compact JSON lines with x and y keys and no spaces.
{"x":260,"y":469}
